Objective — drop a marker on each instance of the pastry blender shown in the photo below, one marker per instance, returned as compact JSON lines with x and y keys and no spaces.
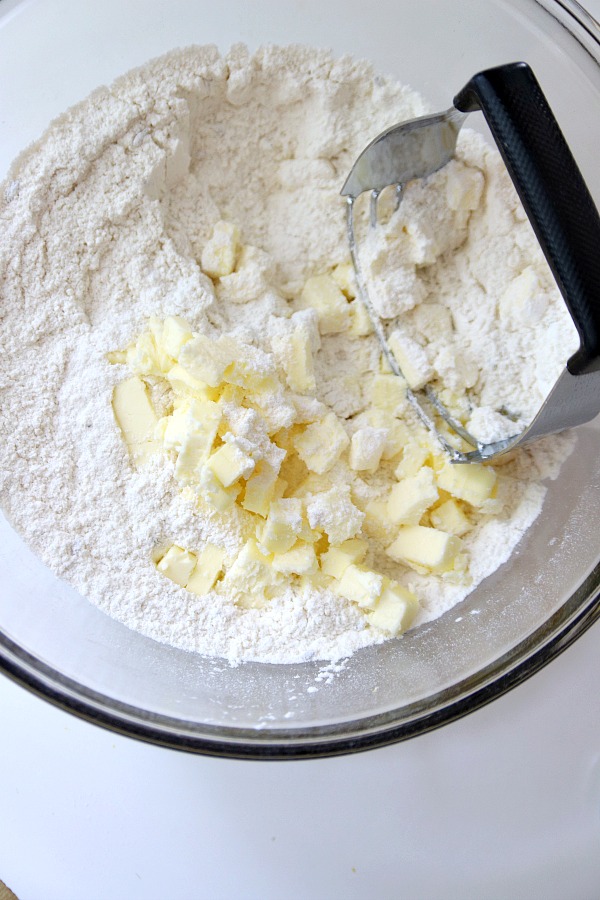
{"x":561,"y":211}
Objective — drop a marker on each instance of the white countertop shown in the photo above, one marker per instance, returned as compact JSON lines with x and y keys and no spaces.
{"x":504,"y":803}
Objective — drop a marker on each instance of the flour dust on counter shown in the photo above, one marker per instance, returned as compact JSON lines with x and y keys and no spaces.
{"x":197,"y":429}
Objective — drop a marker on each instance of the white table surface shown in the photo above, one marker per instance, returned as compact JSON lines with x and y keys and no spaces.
{"x":502,"y":804}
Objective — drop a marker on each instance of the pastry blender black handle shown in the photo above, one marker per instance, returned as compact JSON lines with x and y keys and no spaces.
{"x":552,"y":190}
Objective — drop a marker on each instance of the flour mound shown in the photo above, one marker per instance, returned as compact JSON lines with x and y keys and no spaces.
{"x":104,"y":221}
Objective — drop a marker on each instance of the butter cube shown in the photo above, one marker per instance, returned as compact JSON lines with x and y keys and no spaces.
{"x":323,"y":294}
{"x":177,"y":564}
{"x":322,"y":443}
{"x":472,"y":483}
{"x":202,"y":422}
{"x":145,"y":358}
{"x":377,"y":522}
{"x":135,"y":417}
{"x":398,"y":435}
{"x":366,"y":448}
{"x":229,"y":463}
{"x":220,"y":253}
{"x":412,"y":360}
{"x":360,"y":321}
{"x":282,"y":526}
{"x":425,"y":548}
{"x":251,"y":368}
{"x":208,"y":359}
{"x":343,"y":275}
{"x":410,"y":498}
{"x":260,"y":489}
{"x":395,"y":609}
{"x":175,"y":333}
{"x":307,"y":321}
{"x":337,"y":559}
{"x":209,"y":566}
{"x":210,"y":489}
{"x":448,"y":516}
{"x":117,"y":357}
{"x":414,"y":457}
{"x":183,"y":382}
{"x":300,"y":560}
{"x":360,"y":585}
{"x":251,"y":577}
{"x":174,"y":429}
{"x":388,"y":392}
{"x":298,"y":363}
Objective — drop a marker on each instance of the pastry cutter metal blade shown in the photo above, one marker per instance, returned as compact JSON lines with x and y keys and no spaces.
{"x":560,"y":209}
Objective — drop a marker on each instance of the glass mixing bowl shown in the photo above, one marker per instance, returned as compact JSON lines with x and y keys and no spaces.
{"x":64,"y":649}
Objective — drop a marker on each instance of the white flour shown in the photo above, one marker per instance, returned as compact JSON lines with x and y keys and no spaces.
{"x":104,"y":221}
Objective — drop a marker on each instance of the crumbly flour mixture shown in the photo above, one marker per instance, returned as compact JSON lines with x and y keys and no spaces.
{"x":104,"y":224}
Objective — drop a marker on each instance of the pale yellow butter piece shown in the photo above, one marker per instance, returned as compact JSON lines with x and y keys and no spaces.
{"x":409,"y":499}
{"x":117,"y":357}
{"x":183,"y":382}
{"x":298,"y":364}
{"x":425,"y":547}
{"x":208,"y":567}
{"x":412,"y":360}
{"x":343,"y":275}
{"x":448,"y":516}
{"x":177,"y":564}
{"x":323,"y":294}
{"x":229,"y":463}
{"x":360,"y":320}
{"x":220,"y":253}
{"x":173,"y":429}
{"x":377,"y":523}
{"x":260,"y":489}
{"x":472,"y":483}
{"x":175,"y":333}
{"x":300,"y":560}
{"x":366,"y":448}
{"x":144,"y":358}
{"x":207,"y":359}
{"x":210,"y":489}
{"x":398,"y":435}
{"x":360,"y":585}
{"x":414,"y":457}
{"x":320,"y":444}
{"x":283,"y":525}
{"x":201,"y":421}
{"x":251,"y":577}
{"x":135,"y":417}
{"x":337,"y":559}
{"x":388,"y":392}
{"x":395,"y":610}
{"x":253,"y":370}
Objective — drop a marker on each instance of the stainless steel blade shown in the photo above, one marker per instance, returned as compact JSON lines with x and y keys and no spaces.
{"x":410,"y":150}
